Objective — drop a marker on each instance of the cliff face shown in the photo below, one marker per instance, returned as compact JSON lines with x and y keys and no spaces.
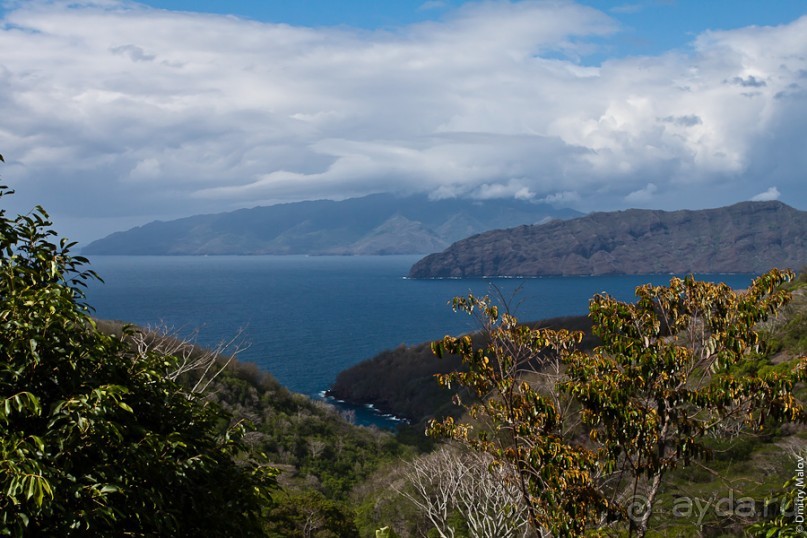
{"x":376,"y":224}
{"x":748,"y":237}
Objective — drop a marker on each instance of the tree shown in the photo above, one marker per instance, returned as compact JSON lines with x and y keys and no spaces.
{"x":309,"y":514}
{"x":672,"y":372}
{"x":449,"y":483}
{"x":522,"y":420}
{"x":590,"y":436}
{"x":96,"y":440}
{"x":196,"y":367}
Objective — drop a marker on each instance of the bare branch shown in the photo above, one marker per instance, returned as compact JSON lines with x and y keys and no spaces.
{"x":201,"y":366}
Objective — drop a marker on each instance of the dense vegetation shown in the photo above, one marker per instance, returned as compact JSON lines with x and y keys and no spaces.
{"x":315,"y":446}
{"x":111,"y":430}
{"x":96,"y":440}
{"x":729,"y":481}
{"x":590,"y":438}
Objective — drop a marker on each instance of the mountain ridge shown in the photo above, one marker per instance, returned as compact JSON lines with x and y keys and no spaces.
{"x":747,"y":237}
{"x":373,"y":224}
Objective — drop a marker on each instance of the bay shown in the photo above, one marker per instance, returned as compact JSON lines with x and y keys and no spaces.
{"x":305,"y":319}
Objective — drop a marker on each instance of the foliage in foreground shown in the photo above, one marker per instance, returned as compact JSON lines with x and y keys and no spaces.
{"x":95,"y":439}
{"x":589,"y":437}
{"x":311,"y":442}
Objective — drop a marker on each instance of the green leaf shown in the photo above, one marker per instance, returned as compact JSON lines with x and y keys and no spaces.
{"x":31,"y":487}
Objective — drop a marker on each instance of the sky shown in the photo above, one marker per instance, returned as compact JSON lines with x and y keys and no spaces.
{"x":116,"y":113}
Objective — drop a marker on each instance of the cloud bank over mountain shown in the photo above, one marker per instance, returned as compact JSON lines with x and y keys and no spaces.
{"x":115,"y":113}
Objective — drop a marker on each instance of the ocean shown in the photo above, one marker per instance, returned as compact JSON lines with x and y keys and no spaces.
{"x":306,"y":318}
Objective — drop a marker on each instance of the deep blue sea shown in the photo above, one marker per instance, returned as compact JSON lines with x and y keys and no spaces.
{"x":307,"y":318}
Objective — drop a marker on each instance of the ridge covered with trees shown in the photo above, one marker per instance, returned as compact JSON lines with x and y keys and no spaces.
{"x":749,"y":237}
{"x":403,"y":382}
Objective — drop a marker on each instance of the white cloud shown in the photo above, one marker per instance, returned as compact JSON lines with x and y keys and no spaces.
{"x":767,"y":196}
{"x":643,"y":195}
{"x":562,"y":198}
{"x":114,"y":109}
{"x":513,"y":188}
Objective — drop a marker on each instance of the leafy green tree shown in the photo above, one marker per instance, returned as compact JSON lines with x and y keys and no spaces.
{"x":95,"y":440}
{"x":670,"y":374}
{"x":590,"y":436}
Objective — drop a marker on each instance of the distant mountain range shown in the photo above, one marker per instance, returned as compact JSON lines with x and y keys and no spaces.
{"x":750,"y":237}
{"x":375,"y":224}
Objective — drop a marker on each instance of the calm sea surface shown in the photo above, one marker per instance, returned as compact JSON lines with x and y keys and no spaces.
{"x":307,"y":318}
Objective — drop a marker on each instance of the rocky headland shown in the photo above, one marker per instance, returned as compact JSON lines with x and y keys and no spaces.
{"x":749,"y":237}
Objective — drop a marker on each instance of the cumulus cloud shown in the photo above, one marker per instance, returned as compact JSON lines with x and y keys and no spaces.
{"x":767,"y":196}
{"x":113,"y":109}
